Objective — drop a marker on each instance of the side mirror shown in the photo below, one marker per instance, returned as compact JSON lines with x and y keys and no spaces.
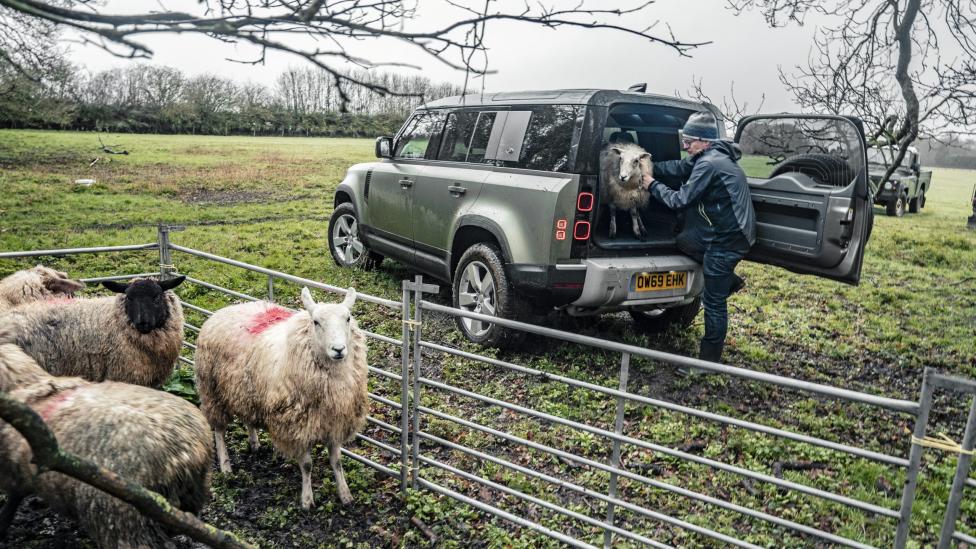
{"x":384,"y":147}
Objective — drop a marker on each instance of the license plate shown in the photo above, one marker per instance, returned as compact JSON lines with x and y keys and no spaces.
{"x":655,"y":282}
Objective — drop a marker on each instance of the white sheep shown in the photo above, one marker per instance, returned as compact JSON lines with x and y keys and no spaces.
{"x":134,"y":337}
{"x":302,"y":376}
{"x":37,"y":284}
{"x":155,"y":439}
{"x":622,"y":166}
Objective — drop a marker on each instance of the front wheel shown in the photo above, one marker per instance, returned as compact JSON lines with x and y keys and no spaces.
{"x":896,"y":206}
{"x":482,"y":286}
{"x":344,"y":243}
{"x":656,"y":321}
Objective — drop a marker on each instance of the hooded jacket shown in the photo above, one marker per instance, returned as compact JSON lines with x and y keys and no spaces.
{"x":718,"y":193}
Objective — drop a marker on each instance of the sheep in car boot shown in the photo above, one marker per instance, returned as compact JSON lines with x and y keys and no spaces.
{"x":622,"y":166}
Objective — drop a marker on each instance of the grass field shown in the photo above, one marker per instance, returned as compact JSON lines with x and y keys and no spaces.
{"x":267,"y":201}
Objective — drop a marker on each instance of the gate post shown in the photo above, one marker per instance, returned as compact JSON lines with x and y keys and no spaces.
{"x":404,"y":387}
{"x":419,"y":289}
{"x":914,"y":461}
{"x":166,"y":267}
{"x":959,"y":481}
{"x":618,"y":428}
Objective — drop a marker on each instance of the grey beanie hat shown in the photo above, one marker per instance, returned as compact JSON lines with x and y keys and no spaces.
{"x":701,"y":125}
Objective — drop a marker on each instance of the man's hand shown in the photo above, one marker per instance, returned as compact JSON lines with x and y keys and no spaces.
{"x":647,"y":181}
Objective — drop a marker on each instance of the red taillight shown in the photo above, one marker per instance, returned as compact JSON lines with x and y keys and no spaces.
{"x":584,"y":202}
{"x":581,"y":230}
{"x":561,"y":229}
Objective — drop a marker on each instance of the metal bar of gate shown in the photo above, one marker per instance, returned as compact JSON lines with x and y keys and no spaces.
{"x":582,"y":490}
{"x":543,"y":503}
{"x":651,"y":482}
{"x":830,"y":496}
{"x":283,"y":276}
{"x":759,"y":428}
{"x":894,"y":404}
{"x":76,"y":251}
{"x":958,"y":482}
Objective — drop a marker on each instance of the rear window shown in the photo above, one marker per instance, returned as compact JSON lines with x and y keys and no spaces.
{"x":548,"y":138}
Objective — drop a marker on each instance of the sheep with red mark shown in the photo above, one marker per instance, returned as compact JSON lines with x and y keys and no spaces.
{"x":37,"y":284}
{"x":133,"y":337}
{"x":155,"y":439}
{"x":302,"y":376}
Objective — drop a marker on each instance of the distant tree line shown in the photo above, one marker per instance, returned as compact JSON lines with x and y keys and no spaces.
{"x":159,"y":99}
{"x":950,"y":152}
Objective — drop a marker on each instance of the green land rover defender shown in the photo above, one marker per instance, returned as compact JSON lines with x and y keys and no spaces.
{"x":498,"y":196}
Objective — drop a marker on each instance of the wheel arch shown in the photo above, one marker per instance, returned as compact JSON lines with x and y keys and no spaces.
{"x":472,"y":230}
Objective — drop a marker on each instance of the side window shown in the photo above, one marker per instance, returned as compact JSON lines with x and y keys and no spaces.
{"x":482,"y":134}
{"x":548,"y":138}
{"x":457,"y":136}
{"x":422,"y":131}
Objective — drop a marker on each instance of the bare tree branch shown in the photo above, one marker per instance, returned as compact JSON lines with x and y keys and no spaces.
{"x":270,"y":25}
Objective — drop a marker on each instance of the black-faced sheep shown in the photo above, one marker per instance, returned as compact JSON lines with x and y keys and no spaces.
{"x":300,"y":375}
{"x":134,"y":337}
{"x":153,"y":438}
{"x":622,"y":165}
{"x":37,"y":284}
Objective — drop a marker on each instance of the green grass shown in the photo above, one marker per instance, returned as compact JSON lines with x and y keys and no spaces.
{"x":267,"y":200}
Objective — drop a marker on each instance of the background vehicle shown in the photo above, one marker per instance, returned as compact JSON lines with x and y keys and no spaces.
{"x":908,"y":184}
{"x":497,"y":194}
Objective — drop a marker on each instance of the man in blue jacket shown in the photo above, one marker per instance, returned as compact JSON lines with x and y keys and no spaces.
{"x":720,"y":224}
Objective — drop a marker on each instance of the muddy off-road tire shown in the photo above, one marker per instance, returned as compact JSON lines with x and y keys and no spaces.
{"x":481,"y":285}
{"x":916,"y":204}
{"x":896,"y":206}
{"x":344,"y":243}
{"x":658,"y":321}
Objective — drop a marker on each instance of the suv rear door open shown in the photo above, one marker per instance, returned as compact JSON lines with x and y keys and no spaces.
{"x":809,"y":184}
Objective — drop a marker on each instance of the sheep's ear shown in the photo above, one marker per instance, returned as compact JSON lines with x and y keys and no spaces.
{"x":63,"y":285}
{"x":617,"y":150}
{"x":115,"y":286}
{"x":646,"y":155}
{"x":171,"y":283}
{"x":350,"y":298}
{"x":307,"y":300}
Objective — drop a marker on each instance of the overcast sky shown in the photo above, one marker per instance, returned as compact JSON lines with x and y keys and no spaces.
{"x":744,"y":50}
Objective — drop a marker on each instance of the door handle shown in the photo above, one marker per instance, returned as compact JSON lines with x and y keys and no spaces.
{"x":456,"y":190}
{"x":406,"y":183}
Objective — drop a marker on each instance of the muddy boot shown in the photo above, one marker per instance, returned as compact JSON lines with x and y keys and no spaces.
{"x":711,"y":352}
{"x":738,"y":283}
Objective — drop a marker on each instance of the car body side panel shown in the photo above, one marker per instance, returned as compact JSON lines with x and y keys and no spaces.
{"x":523,"y":203}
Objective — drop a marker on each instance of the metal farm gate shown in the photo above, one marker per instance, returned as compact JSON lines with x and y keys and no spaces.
{"x":602,"y":501}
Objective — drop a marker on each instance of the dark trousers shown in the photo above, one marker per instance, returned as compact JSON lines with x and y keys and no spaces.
{"x":719,"y":267}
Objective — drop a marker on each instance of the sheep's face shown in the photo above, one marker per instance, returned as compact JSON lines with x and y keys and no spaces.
{"x":331,"y":325}
{"x":630,"y":163}
{"x":145,"y":302}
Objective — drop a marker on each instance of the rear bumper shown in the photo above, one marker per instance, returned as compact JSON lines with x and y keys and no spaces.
{"x":604,"y":284}
{"x":609,"y":282}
